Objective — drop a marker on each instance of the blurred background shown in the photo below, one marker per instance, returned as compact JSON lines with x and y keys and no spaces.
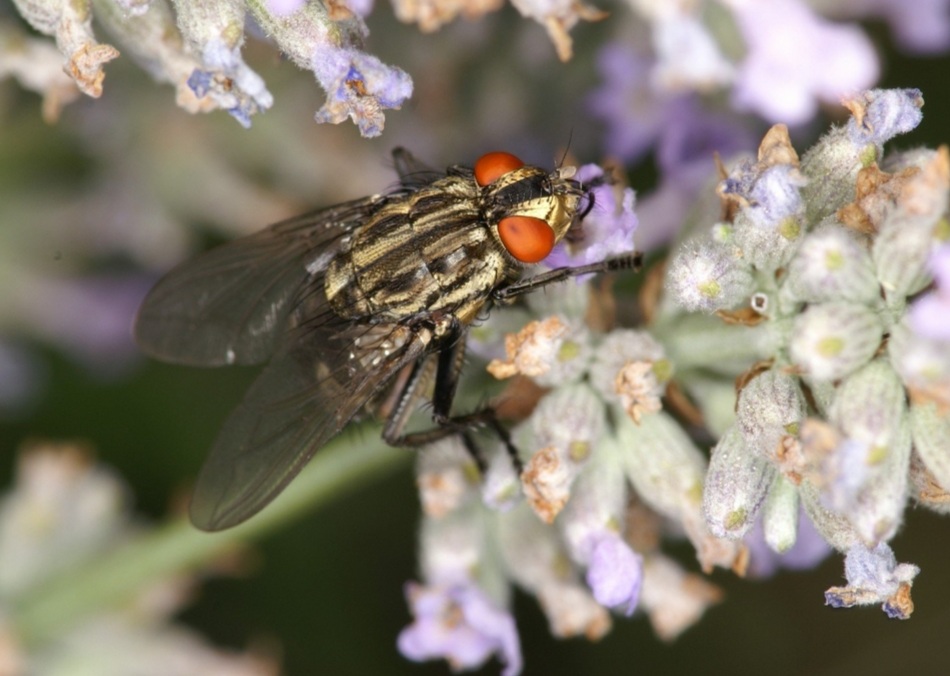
{"x":94,"y":207}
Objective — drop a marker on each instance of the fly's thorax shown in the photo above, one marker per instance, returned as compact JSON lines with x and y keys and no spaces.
{"x":423,"y":252}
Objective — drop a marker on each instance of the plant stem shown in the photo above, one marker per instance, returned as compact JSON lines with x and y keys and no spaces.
{"x":53,"y":607}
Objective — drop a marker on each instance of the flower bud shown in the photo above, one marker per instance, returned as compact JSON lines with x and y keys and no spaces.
{"x":771,"y":406}
{"x":214,"y":32}
{"x":567,"y":426}
{"x":451,"y":547}
{"x":931,"y":433}
{"x":570,"y":418}
{"x":879,"y":508}
{"x":662,"y":463}
{"x":630,"y":368}
{"x":832,"y":166}
{"x":71,"y":24}
{"x":780,"y":515}
{"x":446,"y":476}
{"x":878,"y":115}
{"x":869,"y":407}
{"x":552,"y":351}
{"x":737,"y":484}
{"x":900,"y":255}
{"x":923,"y":363}
{"x":709,"y":278}
{"x":832,"y":264}
{"x":833,"y":527}
{"x":673,"y":599}
{"x":831,"y":340}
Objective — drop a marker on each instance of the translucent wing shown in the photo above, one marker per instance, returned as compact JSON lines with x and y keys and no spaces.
{"x":303,"y":398}
{"x":413,"y":173}
{"x":230,"y":305}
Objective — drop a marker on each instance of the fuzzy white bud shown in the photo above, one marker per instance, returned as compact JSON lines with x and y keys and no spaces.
{"x":830,"y":340}
{"x":931,"y":433}
{"x":709,"y":278}
{"x":780,"y":515}
{"x":833,"y":264}
{"x":737,"y":484}
{"x":662,"y":463}
{"x":771,"y":406}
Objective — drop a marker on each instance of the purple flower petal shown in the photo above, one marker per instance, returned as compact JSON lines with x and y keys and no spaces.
{"x":461,"y":625}
{"x":633,"y":112}
{"x":606,"y":231}
{"x":930,"y":315}
{"x":615,"y":573}
{"x":809,"y":550}
{"x":358,"y":86}
{"x":920,"y":27}
{"x":795,"y":59}
{"x":886,"y":113}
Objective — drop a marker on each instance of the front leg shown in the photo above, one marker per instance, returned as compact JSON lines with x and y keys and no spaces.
{"x":631,"y":261}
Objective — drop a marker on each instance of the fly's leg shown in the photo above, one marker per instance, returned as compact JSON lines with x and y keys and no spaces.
{"x":448,"y":370}
{"x":505,"y":294}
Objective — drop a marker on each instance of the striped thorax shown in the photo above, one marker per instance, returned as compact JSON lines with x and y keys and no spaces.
{"x":443,"y":248}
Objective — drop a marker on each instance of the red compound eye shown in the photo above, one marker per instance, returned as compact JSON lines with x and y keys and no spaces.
{"x":491,"y":166}
{"x":528,"y":239}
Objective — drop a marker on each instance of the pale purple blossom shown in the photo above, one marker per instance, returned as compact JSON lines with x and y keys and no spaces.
{"x":361,"y":7}
{"x":884,"y":114}
{"x":461,"y":625}
{"x":615,"y":573}
{"x":89,"y":318}
{"x":606,"y":231}
{"x":772,"y":194}
{"x":358,"y":86}
{"x":284,"y":7}
{"x":919,"y":27}
{"x":688,"y":57}
{"x":685,"y":154}
{"x":795,"y":59}
{"x":930,"y":315}
{"x":809,"y":550}
{"x":633,"y":111}
{"x":874,"y":576}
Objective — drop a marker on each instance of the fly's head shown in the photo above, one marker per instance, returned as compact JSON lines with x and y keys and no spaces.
{"x":529,"y":209}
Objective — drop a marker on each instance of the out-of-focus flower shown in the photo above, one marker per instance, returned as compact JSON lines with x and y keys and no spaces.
{"x":65,"y":511}
{"x":460,"y":625}
{"x":558,"y":17}
{"x":37,"y":66}
{"x":930,"y":315}
{"x":921,"y":27}
{"x":787,"y":71}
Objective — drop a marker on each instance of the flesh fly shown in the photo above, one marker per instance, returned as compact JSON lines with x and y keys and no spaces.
{"x":343,"y":301}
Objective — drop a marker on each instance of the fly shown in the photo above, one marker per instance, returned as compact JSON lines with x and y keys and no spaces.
{"x":343,"y":301}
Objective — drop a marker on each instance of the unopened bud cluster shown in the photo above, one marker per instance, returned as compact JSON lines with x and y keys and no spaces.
{"x":843,"y":411}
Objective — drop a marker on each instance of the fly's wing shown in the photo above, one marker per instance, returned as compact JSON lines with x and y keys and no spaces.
{"x":304,"y":397}
{"x":231,"y":304}
{"x":413,"y":173}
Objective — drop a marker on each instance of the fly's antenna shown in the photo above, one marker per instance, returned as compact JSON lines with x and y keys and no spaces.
{"x":567,"y":149}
